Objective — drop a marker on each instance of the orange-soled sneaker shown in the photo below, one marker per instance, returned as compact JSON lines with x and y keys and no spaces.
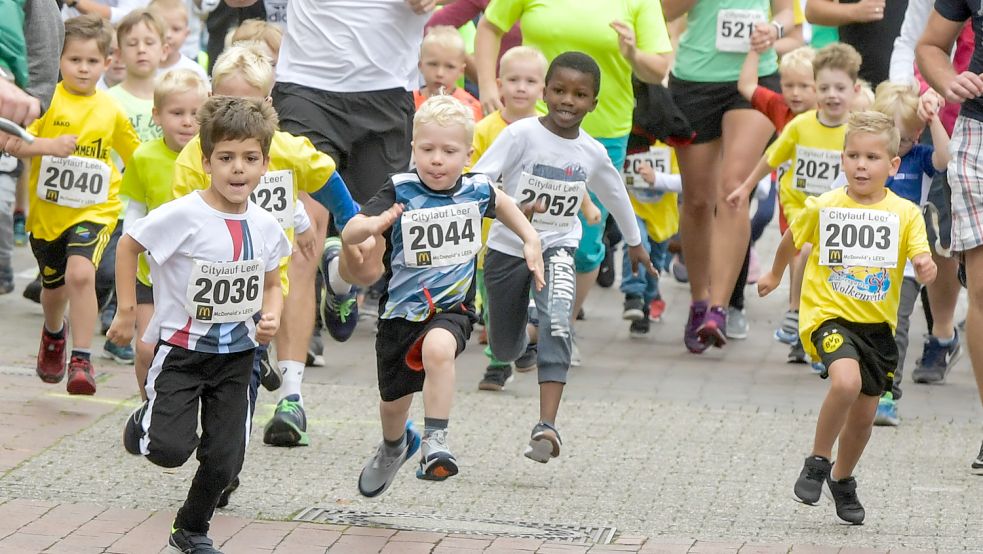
{"x":51,"y":356}
{"x":81,"y":376}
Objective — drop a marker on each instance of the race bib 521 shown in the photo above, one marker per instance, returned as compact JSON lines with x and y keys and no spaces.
{"x":446,"y":235}
{"x":225,"y":292}
{"x":73,"y":182}
{"x":858,"y":237}
{"x":734,"y":28}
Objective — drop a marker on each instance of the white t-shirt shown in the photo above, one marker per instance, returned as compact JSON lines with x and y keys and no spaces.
{"x":526,"y":147}
{"x":186,"y":233}
{"x":185,"y":62}
{"x":351,"y":45}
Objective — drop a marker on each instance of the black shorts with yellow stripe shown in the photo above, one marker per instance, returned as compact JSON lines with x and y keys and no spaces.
{"x":871,"y":344}
{"x":84,"y":239}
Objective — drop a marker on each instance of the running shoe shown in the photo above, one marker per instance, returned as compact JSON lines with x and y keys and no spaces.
{"x":380,"y":470}
{"x":937,"y":360}
{"x":133,"y":430}
{"x":185,"y":542}
{"x":544,"y":443}
{"x":789,"y":330}
{"x":52,"y":356}
{"x":809,"y":485}
{"x":713,"y":331}
{"x":656,"y":309}
{"x":32,"y":291}
{"x":887,"y":411}
{"x":978,"y":462}
{"x":849,"y":510}
{"x":315,"y":350}
{"x":270,"y":375}
{"x":691,"y":338}
{"x":737,"y":324}
{"x":119,"y":354}
{"x":496,"y":377}
{"x":339,"y":311}
{"x":81,"y":376}
{"x":20,"y":229}
{"x":633,"y":308}
{"x":527,"y":361}
{"x":288,"y":426}
{"x":797,"y":354}
{"x":436,"y":460}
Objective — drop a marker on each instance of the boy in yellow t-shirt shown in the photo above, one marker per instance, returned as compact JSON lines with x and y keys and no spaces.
{"x":811,"y":143}
{"x":862,"y":235}
{"x":76,"y":198}
{"x":148,"y":179}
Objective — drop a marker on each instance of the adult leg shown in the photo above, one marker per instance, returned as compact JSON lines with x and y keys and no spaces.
{"x":974,"y":316}
{"x":699,"y":165}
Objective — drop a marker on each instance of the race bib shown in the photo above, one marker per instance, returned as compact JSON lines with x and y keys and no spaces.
{"x":73,"y":182}
{"x":858,"y":237}
{"x":435,"y":237}
{"x":225,"y":292}
{"x":815,"y":169}
{"x":276,"y":11}
{"x":562,"y":200}
{"x":657,"y":158}
{"x":275,"y":194}
{"x":734,"y":28}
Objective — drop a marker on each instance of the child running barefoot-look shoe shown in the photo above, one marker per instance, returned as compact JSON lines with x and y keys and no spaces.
{"x":422,"y":231}
{"x":214,"y":259}
{"x":550,"y":160}
{"x":74,"y":199}
{"x":863,"y":233}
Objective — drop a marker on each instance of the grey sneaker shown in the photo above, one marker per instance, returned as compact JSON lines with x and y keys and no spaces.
{"x":843,"y":493}
{"x":633,"y":308}
{"x":544,"y":443}
{"x":737,"y":325}
{"x":936,"y":360}
{"x":527,"y":361}
{"x":809,"y":485}
{"x":496,"y":377}
{"x":380,"y":470}
{"x":436,"y":461}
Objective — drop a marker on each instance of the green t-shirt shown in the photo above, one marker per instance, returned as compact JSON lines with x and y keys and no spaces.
{"x":822,"y":35}
{"x":139,"y":111}
{"x":147,"y":179}
{"x":698,"y":58}
{"x":556,"y":26}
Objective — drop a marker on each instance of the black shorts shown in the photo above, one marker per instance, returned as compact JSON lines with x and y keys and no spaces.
{"x":367,"y":133}
{"x":84,"y":239}
{"x":871,"y":344}
{"x":704,"y":104}
{"x":398,"y":350}
{"x":145,"y":294}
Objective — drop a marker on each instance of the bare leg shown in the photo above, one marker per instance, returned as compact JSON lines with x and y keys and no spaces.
{"x":550,"y":393}
{"x":439,"y":347}
{"x":943,"y":294}
{"x":854,"y":436}
{"x":80,"y":285}
{"x":585,"y":282}
{"x":144,"y":350}
{"x":974,"y":319}
{"x":844,"y":376}
{"x":699,"y":165}
{"x":54,"y":303}
{"x":394,"y":415}
{"x":795,"y":279}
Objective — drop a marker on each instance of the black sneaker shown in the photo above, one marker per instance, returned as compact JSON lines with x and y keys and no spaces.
{"x":288,"y":426}
{"x":978,"y":462}
{"x":937,"y":360}
{"x":270,"y":375}
{"x":809,"y":485}
{"x":133,"y":430}
{"x":844,"y":495}
{"x":605,"y":273}
{"x":223,"y":500}
{"x":32,"y":291}
{"x":496,"y":377}
{"x":527,"y":361}
{"x":797,"y":354}
{"x":186,"y":542}
{"x":640,"y":328}
{"x":634,"y":309}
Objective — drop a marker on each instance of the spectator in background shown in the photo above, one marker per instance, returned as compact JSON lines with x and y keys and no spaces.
{"x":459,"y":13}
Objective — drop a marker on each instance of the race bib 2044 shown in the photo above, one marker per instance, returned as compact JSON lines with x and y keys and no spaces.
{"x":225,"y":292}
{"x":858,"y":237}
{"x":561,"y":198}
{"x":275,"y":194}
{"x":734,"y":28}
{"x":73,"y":182}
{"x":446,"y":235}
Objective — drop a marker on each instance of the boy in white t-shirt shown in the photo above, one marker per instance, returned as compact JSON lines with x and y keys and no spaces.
{"x":214,"y":260}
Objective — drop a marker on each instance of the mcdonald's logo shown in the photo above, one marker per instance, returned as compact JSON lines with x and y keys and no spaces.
{"x":51,"y":195}
{"x":423,"y":258}
{"x":203,"y":313}
{"x":836,"y":256}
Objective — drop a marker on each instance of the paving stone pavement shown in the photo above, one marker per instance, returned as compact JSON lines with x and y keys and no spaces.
{"x":679,"y":453}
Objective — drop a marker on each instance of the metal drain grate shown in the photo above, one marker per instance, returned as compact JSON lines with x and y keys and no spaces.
{"x":583,"y":534}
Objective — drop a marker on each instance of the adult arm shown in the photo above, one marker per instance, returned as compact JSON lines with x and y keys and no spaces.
{"x":833,"y":14}
{"x":902,"y":68}
{"x":44,"y":32}
{"x":487,"y":44}
{"x":933,"y":57}
{"x":676,"y":8}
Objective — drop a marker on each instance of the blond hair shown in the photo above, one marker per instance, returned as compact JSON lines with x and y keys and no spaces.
{"x":799,"y":59}
{"x":136,"y":17}
{"x":529,"y":53}
{"x":257,"y":30}
{"x":168,"y":6}
{"x":838,"y":56}
{"x":444,"y":110}
{"x":444,"y":37}
{"x":875,"y":123}
{"x":247,"y":60}
{"x":90,"y":27}
{"x":864,"y":98}
{"x":899,"y":101}
{"x":224,"y":118}
{"x":178,"y":81}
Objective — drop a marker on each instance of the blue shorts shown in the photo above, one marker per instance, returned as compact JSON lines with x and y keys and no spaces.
{"x":590,"y":251}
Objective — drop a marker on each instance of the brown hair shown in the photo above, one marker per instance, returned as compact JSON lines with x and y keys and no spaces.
{"x":232,"y":118}
{"x":838,"y":56}
{"x":136,"y":17}
{"x":90,"y":27}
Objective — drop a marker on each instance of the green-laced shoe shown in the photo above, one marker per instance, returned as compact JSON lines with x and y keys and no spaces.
{"x":288,"y":427}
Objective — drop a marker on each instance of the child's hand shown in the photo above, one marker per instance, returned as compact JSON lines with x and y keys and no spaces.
{"x":63,"y":146}
{"x":929,"y":105}
{"x":767,"y":283}
{"x":305,"y":242}
{"x":532,"y":251}
{"x":122,"y":329}
{"x":539,"y":206}
{"x":378,"y":224}
{"x":266,"y":328}
{"x":648,"y":173}
{"x":639,"y":256}
{"x":925,"y":268}
{"x":740,"y":194}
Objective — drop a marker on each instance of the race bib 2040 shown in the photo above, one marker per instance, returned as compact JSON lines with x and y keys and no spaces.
{"x":447,"y":235}
{"x":275,"y":194}
{"x":734,"y":28}
{"x":73,"y":182}
{"x":658,"y":158}
{"x":858,"y":237}
{"x":561,"y":198}
{"x":225,"y":292}
{"x":815,"y":169}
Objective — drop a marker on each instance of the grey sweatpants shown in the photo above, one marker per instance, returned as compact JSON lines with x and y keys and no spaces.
{"x":910,"y":290}
{"x":508,"y":282}
{"x":8,"y":185}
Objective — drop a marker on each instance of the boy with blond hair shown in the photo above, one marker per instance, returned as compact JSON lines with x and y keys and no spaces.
{"x":267,"y":34}
{"x":442,"y":60}
{"x":148,"y":179}
{"x":428,"y":224}
{"x":198,"y":246}
{"x":75,"y":203}
{"x":862,"y":233}
{"x":174,"y":13}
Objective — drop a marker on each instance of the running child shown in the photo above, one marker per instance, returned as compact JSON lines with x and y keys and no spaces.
{"x":174,"y":13}
{"x":75,"y":201}
{"x":141,"y":43}
{"x":862,"y":235}
{"x":425,"y":229}
{"x":214,"y":260}
{"x":550,"y":160}
{"x":442,"y":60}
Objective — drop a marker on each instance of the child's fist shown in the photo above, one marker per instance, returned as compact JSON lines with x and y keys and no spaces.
{"x":266,"y":328}
{"x":63,"y":146}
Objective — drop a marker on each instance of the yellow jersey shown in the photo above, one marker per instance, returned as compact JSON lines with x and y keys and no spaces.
{"x":659,"y":210}
{"x":85,"y":185}
{"x":858,"y":258}
{"x":813,"y":152}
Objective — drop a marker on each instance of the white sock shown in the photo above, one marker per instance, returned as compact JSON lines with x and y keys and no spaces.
{"x":293,"y":376}
{"x":335,"y":282}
